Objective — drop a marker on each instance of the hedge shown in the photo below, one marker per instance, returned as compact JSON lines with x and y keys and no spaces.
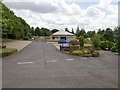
{"x":95,"y":54}
{"x":113,"y":49}
{"x":106,"y":44}
{"x":8,"y":51}
{"x":2,"y":46}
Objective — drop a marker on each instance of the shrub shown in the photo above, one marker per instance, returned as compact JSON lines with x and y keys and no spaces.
{"x":81,"y":41}
{"x":110,"y":45}
{"x":3,"y":46}
{"x":95,"y":54}
{"x":113,"y":49}
{"x":96,"y":41}
{"x":85,"y":52}
{"x":103,"y":45}
{"x":91,"y":50}
{"x":29,"y":35}
{"x":77,"y":52}
{"x":87,"y":41}
{"x":26,"y":38}
{"x":106,"y":44}
{"x":74,"y":42}
{"x":88,"y":52}
{"x":8,"y":51}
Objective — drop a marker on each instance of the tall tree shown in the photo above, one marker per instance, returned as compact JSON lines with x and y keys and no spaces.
{"x":13,"y":27}
{"x":37,"y":31}
{"x":77,"y":31}
{"x":109,"y":35}
{"x":54,"y":31}
{"x":66,"y":29}
{"x":72,"y":31}
{"x":32,"y":31}
{"x":91,"y":34}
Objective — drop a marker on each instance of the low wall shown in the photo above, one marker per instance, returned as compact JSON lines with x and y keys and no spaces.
{"x":50,"y":40}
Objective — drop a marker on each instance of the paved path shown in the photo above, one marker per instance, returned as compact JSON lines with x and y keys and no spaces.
{"x":17,"y":44}
{"x":41,"y":65}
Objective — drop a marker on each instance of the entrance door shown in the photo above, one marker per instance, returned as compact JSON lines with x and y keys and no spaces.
{"x":63,"y":38}
{"x":53,"y":38}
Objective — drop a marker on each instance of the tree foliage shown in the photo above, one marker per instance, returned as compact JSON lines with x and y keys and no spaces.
{"x":96,"y":41}
{"x":42,"y":32}
{"x":13,"y":27}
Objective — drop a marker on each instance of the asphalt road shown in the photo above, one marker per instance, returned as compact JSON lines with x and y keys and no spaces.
{"x":41,"y":65}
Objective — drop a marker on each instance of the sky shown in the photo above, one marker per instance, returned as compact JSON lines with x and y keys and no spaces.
{"x":59,"y":14}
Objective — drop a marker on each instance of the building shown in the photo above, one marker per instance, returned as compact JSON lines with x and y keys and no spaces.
{"x":62,"y":35}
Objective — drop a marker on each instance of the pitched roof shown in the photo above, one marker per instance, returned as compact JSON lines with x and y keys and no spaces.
{"x":62,"y":33}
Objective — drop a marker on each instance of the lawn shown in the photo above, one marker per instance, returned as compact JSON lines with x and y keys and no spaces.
{"x":8,"y":51}
{"x":36,"y":37}
{"x":8,"y":40}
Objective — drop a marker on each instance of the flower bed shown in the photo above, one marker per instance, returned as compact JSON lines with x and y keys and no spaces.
{"x":86,"y":52}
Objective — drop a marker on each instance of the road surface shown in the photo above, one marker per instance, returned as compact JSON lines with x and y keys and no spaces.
{"x":41,"y":65}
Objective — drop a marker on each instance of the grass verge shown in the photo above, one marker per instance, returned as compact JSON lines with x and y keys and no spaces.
{"x":8,"y":51}
{"x":8,"y":40}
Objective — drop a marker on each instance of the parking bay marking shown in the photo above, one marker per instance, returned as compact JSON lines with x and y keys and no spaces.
{"x":83,"y":58}
{"x":24,"y":62}
{"x":52,"y":61}
{"x":70,"y":59}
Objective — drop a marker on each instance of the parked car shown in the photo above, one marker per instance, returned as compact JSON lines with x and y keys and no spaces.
{"x":61,"y":41}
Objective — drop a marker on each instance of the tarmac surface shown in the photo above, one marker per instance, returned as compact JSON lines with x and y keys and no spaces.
{"x":42,"y":65}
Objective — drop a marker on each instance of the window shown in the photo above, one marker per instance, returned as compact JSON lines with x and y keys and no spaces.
{"x":53,"y":38}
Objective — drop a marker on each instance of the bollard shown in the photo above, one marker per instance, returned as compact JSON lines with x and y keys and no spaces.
{"x":60,"y":47}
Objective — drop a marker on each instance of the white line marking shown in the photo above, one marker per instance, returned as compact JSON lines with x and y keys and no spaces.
{"x":52,"y":61}
{"x":24,"y":62}
{"x":70,"y":59}
{"x":82,"y":58}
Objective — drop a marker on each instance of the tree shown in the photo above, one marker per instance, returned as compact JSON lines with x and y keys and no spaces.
{"x":13,"y":27}
{"x":81,"y":41}
{"x":77,"y":31}
{"x":96,"y":41}
{"x":91,"y":34}
{"x":66,"y":29}
{"x":83,"y":33}
{"x":37,"y":31}
{"x":109,"y":35}
{"x":32,"y":31}
{"x":72,"y":31}
{"x":54,"y":31}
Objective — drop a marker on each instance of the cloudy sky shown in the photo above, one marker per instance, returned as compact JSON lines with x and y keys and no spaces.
{"x":60,"y":14}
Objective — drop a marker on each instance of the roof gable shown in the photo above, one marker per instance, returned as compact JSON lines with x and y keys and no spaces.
{"x":62,"y":33}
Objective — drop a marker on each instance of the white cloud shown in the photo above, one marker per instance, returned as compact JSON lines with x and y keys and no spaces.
{"x":59,"y":14}
{"x":92,"y":11}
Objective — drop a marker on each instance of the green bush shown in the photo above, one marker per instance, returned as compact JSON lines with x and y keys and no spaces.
{"x":87,"y":41}
{"x":113,"y":49}
{"x":26,"y":38}
{"x":74,"y":42}
{"x":81,"y":41}
{"x":96,"y":41}
{"x":3,"y":46}
{"x":85,"y":52}
{"x":88,"y":52}
{"x":29,"y":35}
{"x":106,"y":44}
{"x":110,"y":45}
{"x":95,"y":54}
{"x":8,"y":51}
{"x":77,"y":52}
